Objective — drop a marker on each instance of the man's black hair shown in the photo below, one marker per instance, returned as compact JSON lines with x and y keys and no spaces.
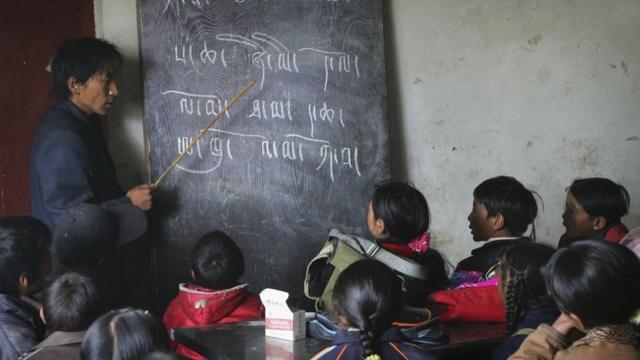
{"x":72,"y":301}
{"x":82,"y":58}
{"x":507,"y":196}
{"x":595,"y":280}
{"x":216,"y":261}
{"x":601,"y":197}
{"x":22,"y":248}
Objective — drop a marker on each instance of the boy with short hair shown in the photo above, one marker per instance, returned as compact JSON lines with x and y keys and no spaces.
{"x":71,"y":303}
{"x":20,"y":265}
{"x":214,"y":296}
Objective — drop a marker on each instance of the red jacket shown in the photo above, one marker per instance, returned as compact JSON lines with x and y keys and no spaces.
{"x":195,"y":306}
{"x":614,"y":234}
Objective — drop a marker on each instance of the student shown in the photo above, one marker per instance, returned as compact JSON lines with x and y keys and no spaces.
{"x":595,"y":286}
{"x":398,"y":217}
{"x":502,"y":211}
{"x":367,"y":298}
{"x":20,"y":326}
{"x":593,"y":211}
{"x":523,"y":291}
{"x":40,"y":241}
{"x":215,"y":295}
{"x":71,"y":303}
{"x":124,"y":334}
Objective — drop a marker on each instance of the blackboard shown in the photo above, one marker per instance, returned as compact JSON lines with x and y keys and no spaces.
{"x":296,"y":156}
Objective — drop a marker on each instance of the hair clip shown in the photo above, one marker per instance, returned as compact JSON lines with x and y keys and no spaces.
{"x":421,"y":243}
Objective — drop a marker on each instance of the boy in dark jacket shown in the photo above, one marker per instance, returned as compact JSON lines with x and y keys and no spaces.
{"x":21,"y":259}
{"x":215,"y":296}
{"x":71,"y":303}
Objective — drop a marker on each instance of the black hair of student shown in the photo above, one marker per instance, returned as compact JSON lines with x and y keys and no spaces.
{"x":369,"y":295}
{"x":72,"y":301}
{"x":601,"y":197}
{"x":123,"y":334}
{"x":37,"y":231}
{"x":595,"y":280}
{"x":22,"y":248}
{"x":437,"y":270}
{"x":402,"y":208}
{"x":82,"y":58}
{"x":525,"y":289}
{"x":507,"y":196}
{"x":217,"y":262}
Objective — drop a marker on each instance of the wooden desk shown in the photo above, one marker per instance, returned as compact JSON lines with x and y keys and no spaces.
{"x":246,"y":340}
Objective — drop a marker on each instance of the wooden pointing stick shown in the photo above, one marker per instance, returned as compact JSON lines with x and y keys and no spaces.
{"x":201,"y":133}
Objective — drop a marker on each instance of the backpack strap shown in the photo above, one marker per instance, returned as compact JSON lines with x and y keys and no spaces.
{"x":370,"y":249}
{"x":524,"y":331}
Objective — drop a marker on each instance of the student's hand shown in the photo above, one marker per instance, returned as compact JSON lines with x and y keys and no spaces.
{"x":140,"y":196}
{"x":564,"y":323}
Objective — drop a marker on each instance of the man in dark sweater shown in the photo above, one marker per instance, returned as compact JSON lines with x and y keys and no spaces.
{"x":70,"y":162}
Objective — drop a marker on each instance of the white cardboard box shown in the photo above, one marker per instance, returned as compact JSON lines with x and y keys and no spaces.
{"x":280,"y":321}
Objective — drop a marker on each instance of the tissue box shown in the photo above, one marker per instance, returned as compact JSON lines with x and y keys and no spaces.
{"x":280,"y":321}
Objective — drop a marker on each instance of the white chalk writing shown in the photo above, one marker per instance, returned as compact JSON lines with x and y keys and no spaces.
{"x":199,"y":104}
{"x":325,"y":114}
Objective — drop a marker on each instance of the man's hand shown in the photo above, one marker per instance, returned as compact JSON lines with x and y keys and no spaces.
{"x":140,"y":196}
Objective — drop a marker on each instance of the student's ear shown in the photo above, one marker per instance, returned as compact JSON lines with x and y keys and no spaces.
{"x":379,"y":227}
{"x":578,"y":322}
{"x":599,"y":223}
{"x":497,"y":221}
{"x":42,"y":317}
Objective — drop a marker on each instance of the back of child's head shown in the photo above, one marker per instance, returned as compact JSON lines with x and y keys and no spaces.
{"x":216,"y":261}
{"x":601,"y":197}
{"x":369,"y":297}
{"x":124,"y":334}
{"x":521,"y":279}
{"x":72,"y":301}
{"x":23,"y":242}
{"x":596,"y":281}
{"x":507,"y":196}
{"x":402,"y":208}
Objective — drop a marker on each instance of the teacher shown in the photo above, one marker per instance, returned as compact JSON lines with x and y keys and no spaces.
{"x":70,"y":163}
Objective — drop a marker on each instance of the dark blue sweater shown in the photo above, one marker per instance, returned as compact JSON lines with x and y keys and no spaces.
{"x":70,"y":164}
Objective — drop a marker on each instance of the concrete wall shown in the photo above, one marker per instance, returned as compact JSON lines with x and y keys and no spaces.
{"x":545,"y":91}
{"x":117,"y":21}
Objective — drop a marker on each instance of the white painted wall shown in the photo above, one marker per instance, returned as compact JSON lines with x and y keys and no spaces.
{"x":117,"y":21}
{"x":545,"y":91}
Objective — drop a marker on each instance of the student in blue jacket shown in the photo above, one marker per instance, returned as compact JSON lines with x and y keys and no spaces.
{"x":367,"y":298}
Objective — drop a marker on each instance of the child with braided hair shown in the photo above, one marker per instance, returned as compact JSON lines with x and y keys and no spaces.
{"x":367,"y":298}
{"x":523,"y":291}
